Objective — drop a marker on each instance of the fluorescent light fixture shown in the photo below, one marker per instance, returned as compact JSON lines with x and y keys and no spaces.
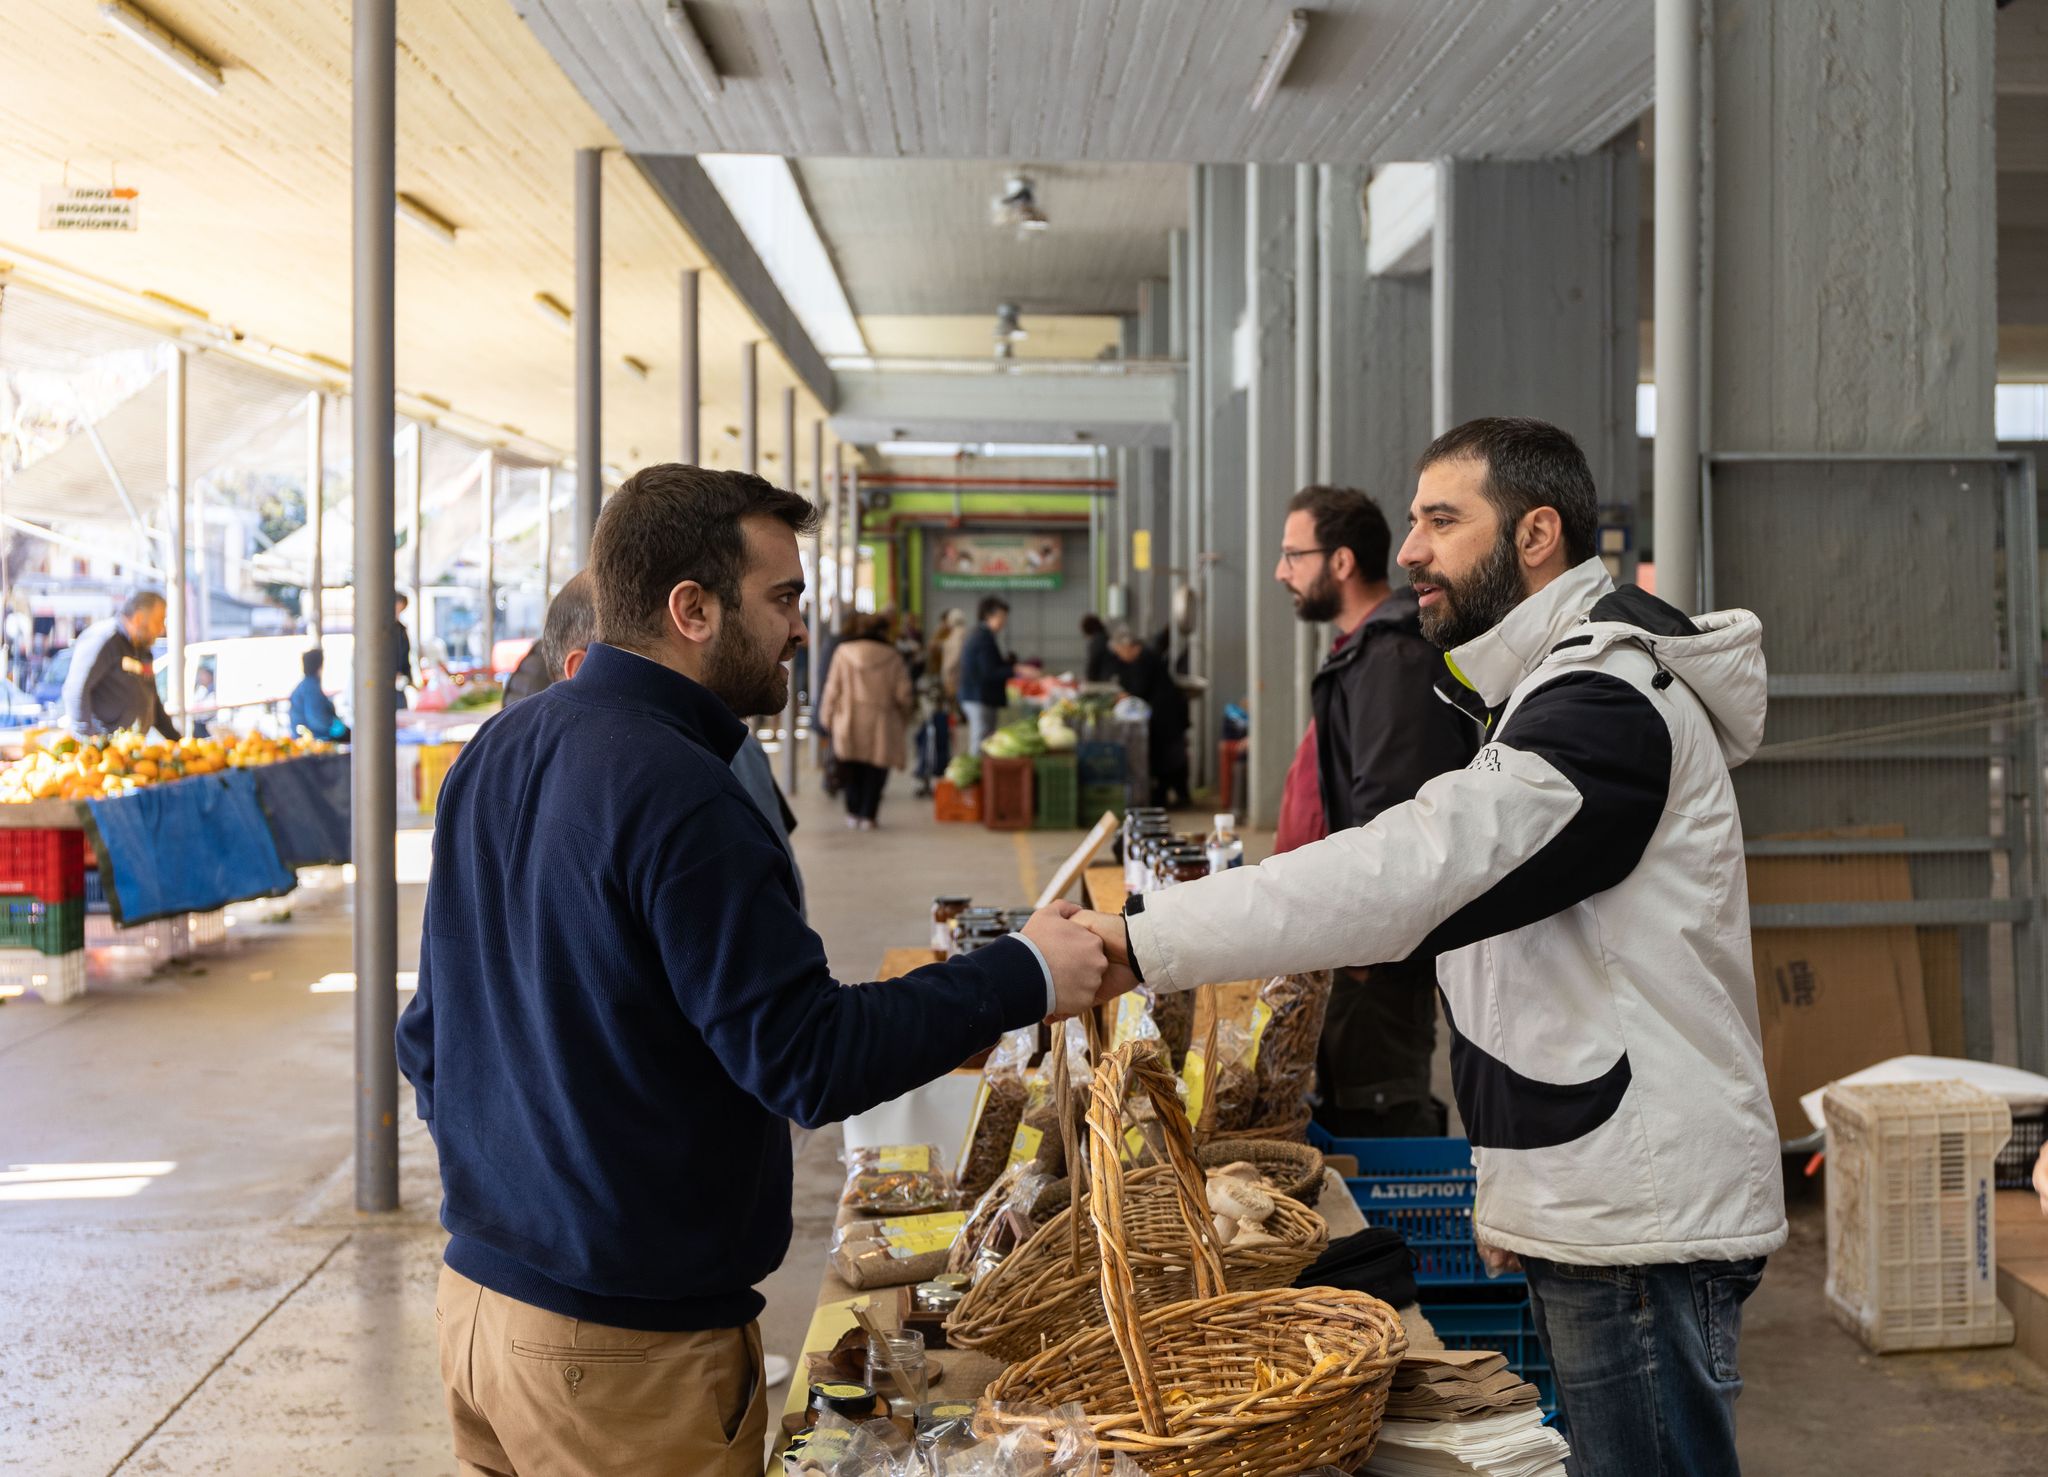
{"x":1279,"y":59}
{"x":554,"y":310}
{"x":162,"y":42}
{"x":428,"y":220}
{"x":182,"y":309}
{"x":635,"y":367}
{"x":1052,"y":450}
{"x":764,"y":197}
{"x":696,"y":60}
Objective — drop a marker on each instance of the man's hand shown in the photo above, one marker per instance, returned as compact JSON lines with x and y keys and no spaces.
{"x":1108,"y":929}
{"x":1080,"y":970}
{"x":2041,"y":1178}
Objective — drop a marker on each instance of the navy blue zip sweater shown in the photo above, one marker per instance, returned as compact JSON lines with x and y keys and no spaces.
{"x":619,"y":1003}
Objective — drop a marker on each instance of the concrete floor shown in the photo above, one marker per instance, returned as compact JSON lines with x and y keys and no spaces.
{"x":191,"y":1292}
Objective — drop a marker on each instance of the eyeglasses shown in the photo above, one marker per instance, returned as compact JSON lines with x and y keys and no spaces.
{"x":1288,"y":556}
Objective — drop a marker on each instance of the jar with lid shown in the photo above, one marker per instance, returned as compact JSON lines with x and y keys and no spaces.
{"x":855,"y":1402}
{"x":896,"y":1367}
{"x":944,"y":911}
{"x":1184,"y":864}
{"x":970,"y":922}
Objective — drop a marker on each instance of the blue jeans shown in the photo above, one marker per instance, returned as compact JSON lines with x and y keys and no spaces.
{"x":1644,"y":1359}
{"x":981,"y":722}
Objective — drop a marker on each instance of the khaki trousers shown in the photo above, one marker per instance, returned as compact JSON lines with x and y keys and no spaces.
{"x":534,"y":1394}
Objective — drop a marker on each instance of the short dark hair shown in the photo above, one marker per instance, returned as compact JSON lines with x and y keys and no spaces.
{"x":1091,"y":625}
{"x":313,"y":660}
{"x":670,"y":523}
{"x":1529,"y":464}
{"x":140,"y":601}
{"x":990,"y":604}
{"x":571,"y":622}
{"x":1346,"y":518}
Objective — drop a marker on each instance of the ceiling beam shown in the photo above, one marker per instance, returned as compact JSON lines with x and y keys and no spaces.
{"x":681,"y":182}
{"x":1042,"y":408}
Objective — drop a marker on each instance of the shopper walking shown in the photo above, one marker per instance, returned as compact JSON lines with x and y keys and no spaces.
{"x":1379,"y":733}
{"x":618,"y":1004}
{"x":1581,"y":882}
{"x":401,"y":645}
{"x":867,"y":709}
{"x":1143,"y":673}
{"x":985,"y":671}
{"x":112,"y":681}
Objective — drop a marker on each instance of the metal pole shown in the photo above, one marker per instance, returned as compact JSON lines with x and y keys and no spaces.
{"x":750,"y":407}
{"x":1194,"y":525}
{"x":316,"y":508}
{"x":177,"y":595}
{"x":1676,"y":454}
{"x":373,"y":771}
{"x":1308,"y":324}
{"x":488,"y":486}
{"x":816,"y":642}
{"x":789,"y":708}
{"x":835,"y":590}
{"x":201,"y":584}
{"x":589,"y":323}
{"x":547,"y":538}
{"x":851,"y":553}
{"x":415,"y":542}
{"x":692,"y":388}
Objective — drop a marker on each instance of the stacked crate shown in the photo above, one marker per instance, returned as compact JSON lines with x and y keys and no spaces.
{"x":139,"y":949}
{"x":42,"y":913}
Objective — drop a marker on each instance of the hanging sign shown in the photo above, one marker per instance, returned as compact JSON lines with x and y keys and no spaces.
{"x":1141,"y":549}
{"x":89,"y":208}
{"x":997,"y":561}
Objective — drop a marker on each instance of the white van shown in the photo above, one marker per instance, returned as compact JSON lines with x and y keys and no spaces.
{"x":237,"y":682}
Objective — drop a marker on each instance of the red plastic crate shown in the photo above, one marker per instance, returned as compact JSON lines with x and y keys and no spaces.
{"x":1006,"y":794}
{"x":951,"y":803}
{"x":49,"y":865}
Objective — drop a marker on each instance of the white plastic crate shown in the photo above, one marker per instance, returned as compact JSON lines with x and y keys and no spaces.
{"x":1912,"y":1251}
{"x":159,"y":940}
{"x":51,"y":978}
{"x":209,"y":930}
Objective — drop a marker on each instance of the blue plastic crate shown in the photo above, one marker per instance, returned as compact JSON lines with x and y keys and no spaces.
{"x":1509,"y":1327}
{"x":95,"y":893}
{"x":1101,"y":763}
{"x":1422,"y":1188}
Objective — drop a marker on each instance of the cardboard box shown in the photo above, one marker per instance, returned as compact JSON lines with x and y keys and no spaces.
{"x":1834,"y":1000}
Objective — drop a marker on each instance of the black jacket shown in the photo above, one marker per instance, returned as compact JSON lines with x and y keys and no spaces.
{"x":1148,"y":677}
{"x":1101,"y":664}
{"x":984,"y":670}
{"x":1381,"y":729}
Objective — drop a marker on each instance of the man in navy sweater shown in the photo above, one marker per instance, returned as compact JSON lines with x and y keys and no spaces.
{"x":619,"y":1003}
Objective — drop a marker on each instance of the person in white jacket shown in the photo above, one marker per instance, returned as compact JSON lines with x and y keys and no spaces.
{"x":1582,"y":886}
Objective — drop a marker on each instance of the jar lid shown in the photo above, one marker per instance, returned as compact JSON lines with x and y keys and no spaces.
{"x":841,"y":1390}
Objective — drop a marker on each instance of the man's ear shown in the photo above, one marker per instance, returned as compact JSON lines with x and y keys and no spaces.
{"x":1343,"y":564}
{"x":693,"y":612}
{"x":1540,"y":538}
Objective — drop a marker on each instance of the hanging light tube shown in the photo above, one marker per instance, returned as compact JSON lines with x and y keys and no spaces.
{"x":1279,"y":59}
{"x":163,"y":43}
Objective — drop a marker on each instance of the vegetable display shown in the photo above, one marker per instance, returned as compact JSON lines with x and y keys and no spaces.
{"x":71,"y":768}
{"x":964,"y":771}
{"x":1015,"y":741}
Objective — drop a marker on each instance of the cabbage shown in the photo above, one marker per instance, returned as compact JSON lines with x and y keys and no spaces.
{"x":964,"y":771}
{"x":1059,"y":738}
{"x":1014,"y":741}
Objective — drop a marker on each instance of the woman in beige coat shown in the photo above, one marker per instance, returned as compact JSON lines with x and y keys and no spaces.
{"x":867,"y":705}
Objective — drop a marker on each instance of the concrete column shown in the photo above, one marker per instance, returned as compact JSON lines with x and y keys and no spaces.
{"x":816,"y":643}
{"x":1309,"y":311}
{"x":373,"y":770}
{"x":789,"y":708}
{"x":589,"y":327}
{"x":1270,"y":623}
{"x":1195,"y":434}
{"x":1677,"y":286}
{"x":1170,"y":504}
{"x":1149,"y":511}
{"x":750,"y":407}
{"x":1222,"y":582}
{"x":849,"y":553}
{"x":836,"y":583}
{"x":415,"y":502}
{"x":316,"y":507}
{"x":692,"y":395}
{"x":1535,"y":300}
{"x":547,"y":538}
{"x":831,"y":499}
{"x":177,"y":595}
{"x":487,"y":489}
{"x":1373,"y":363}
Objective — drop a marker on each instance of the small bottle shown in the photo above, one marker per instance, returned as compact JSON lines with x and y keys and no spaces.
{"x":1225,"y":850}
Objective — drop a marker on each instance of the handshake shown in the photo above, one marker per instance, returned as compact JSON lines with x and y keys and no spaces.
{"x":1086,"y":953}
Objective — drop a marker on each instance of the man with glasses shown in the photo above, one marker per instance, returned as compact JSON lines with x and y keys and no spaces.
{"x":1379,"y":733}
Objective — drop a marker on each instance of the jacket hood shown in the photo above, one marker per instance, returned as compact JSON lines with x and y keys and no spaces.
{"x":866,"y":651}
{"x":1719,"y":655}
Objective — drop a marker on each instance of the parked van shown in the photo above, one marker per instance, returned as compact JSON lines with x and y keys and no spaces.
{"x":249,"y":677}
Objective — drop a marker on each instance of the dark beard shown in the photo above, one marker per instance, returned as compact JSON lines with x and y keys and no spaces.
{"x":747,"y":679}
{"x":1471,"y":607}
{"x":1320,"y":601}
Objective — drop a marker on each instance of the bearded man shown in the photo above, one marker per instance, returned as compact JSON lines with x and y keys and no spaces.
{"x":1380,"y":733}
{"x":620,"y":1002}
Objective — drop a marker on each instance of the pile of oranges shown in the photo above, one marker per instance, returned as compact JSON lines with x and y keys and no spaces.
{"x":72,"y":768}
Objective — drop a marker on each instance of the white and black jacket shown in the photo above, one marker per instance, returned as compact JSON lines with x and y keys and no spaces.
{"x":1582,"y":883}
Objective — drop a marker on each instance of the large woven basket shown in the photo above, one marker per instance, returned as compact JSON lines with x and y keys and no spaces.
{"x":1051,"y":1285}
{"x":1240,"y":1384}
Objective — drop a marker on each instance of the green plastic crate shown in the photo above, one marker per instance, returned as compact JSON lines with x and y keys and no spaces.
{"x":1095,"y":799}
{"x":48,"y":928}
{"x":1057,"y":784}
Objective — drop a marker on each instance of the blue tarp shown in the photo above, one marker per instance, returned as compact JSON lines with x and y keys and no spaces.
{"x":186,"y":847}
{"x":306,"y":802}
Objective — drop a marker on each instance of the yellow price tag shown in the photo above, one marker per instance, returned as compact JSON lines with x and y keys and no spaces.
{"x":919,"y":1225}
{"x":1194,"y":1072}
{"x":1025,"y":1145}
{"x":1262,"y":1017}
{"x":1134,"y":1144}
{"x":916,"y":1158}
{"x":1130,"y":1015}
{"x":909,"y":1246}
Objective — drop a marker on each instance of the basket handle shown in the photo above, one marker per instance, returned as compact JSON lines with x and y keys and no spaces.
{"x":1062,"y":1090}
{"x":1139,"y":1064}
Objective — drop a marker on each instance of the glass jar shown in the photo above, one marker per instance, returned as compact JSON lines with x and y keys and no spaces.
{"x":944,"y":911}
{"x":969,"y":922}
{"x":896,"y":1368}
{"x":935,"y":1297}
{"x":843,"y":1398}
{"x":1185,"y":864}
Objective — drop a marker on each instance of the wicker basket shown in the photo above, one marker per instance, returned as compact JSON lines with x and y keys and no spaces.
{"x":1295,"y":1170}
{"x":1050,"y":1286}
{"x":1248,"y":1384}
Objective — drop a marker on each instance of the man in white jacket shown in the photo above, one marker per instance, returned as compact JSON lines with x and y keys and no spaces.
{"x":1582,"y":885}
